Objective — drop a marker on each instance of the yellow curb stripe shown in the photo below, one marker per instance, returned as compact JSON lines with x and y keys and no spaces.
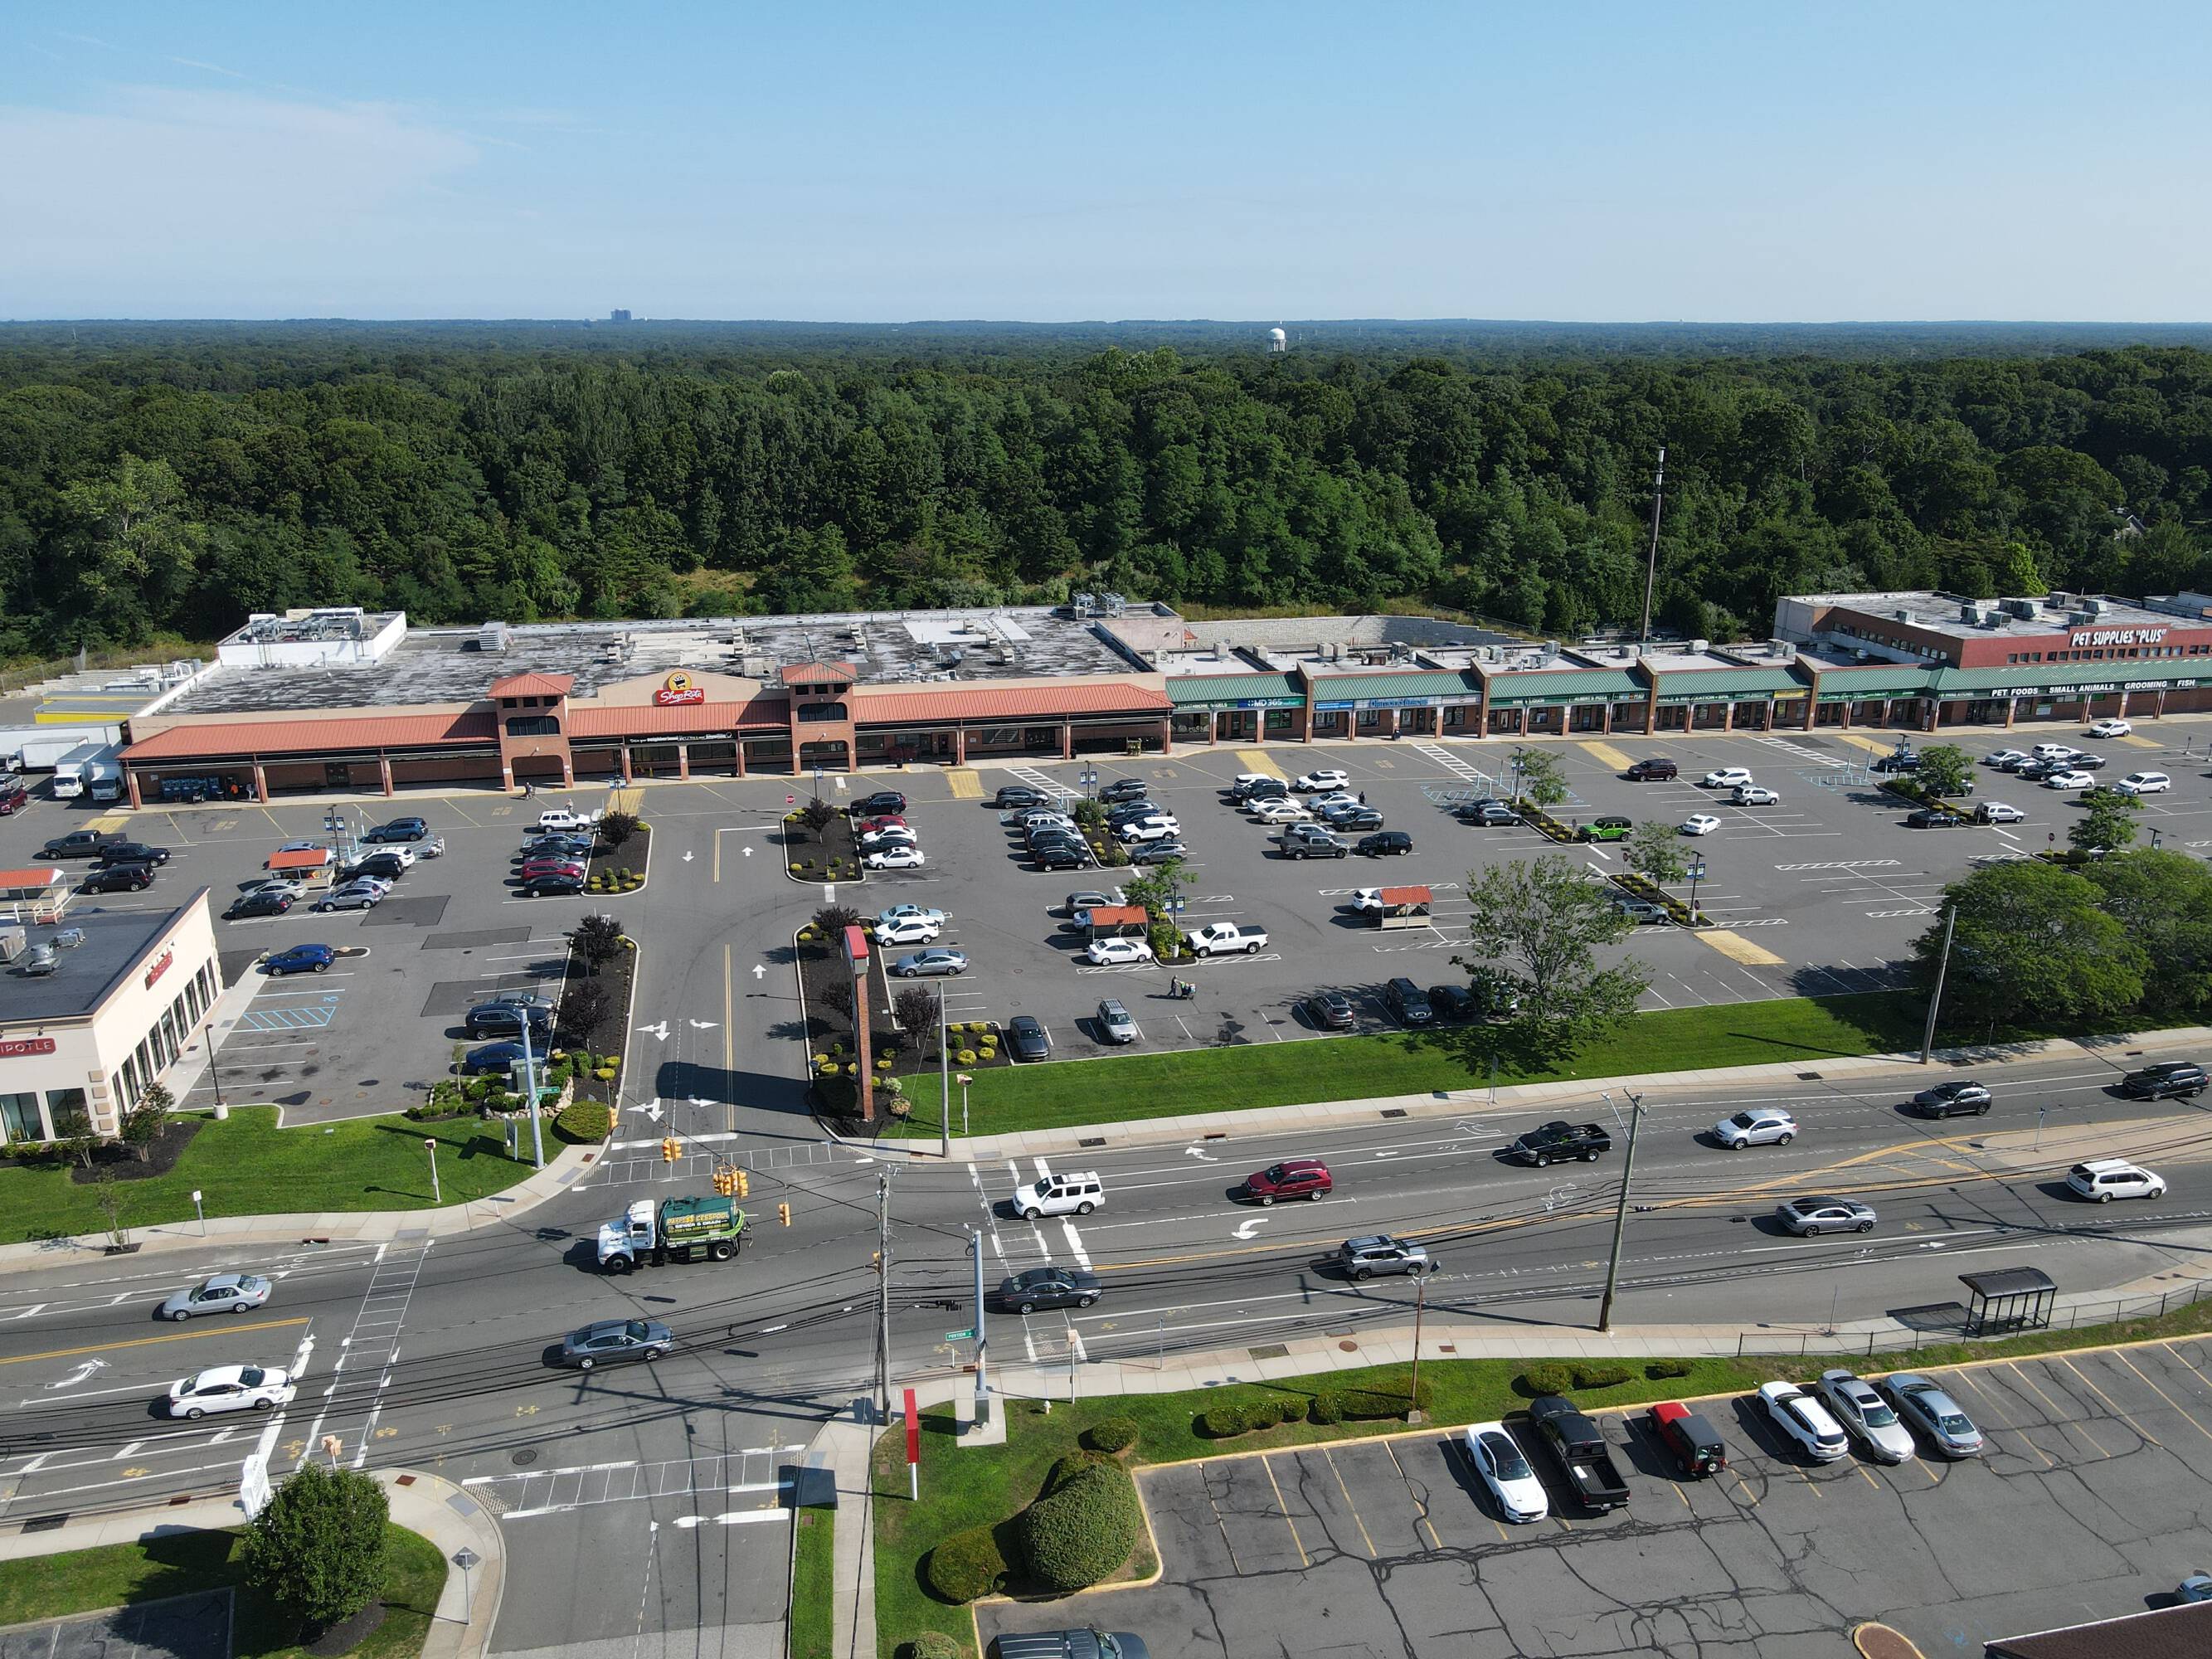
{"x":1259,"y":760}
{"x":1873,"y":746}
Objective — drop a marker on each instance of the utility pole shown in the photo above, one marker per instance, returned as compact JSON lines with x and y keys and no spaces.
{"x":1651,"y":567}
{"x":530,"y":1086}
{"x":945,"y":1078}
{"x":982,"y":1338}
{"x":1420,"y":1304}
{"x":883,"y":1297}
{"x":1621,"y":1215}
{"x":1936,"y":1002}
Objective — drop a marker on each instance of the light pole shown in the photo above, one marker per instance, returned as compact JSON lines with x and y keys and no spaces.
{"x":1420,"y":1306}
{"x":964,"y":1079}
{"x":1936,"y":1002}
{"x":1697,"y":875}
{"x":437,"y":1194}
{"x":530,"y":1088}
{"x":2154,"y":838}
{"x":223,"y":1106}
{"x":982,"y":1338}
{"x":1620,"y":1213}
{"x":945,"y":1079}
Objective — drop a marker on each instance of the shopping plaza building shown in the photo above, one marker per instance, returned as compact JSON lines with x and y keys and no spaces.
{"x":344,"y":700}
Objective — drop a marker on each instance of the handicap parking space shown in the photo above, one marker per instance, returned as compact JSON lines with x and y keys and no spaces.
{"x":2092,"y":1502}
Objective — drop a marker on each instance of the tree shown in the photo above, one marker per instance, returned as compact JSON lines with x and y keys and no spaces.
{"x":597,"y":939}
{"x":584,"y":1005}
{"x":1654,"y":851}
{"x":143,"y":1123}
{"x":2163,"y":902}
{"x":1945,"y":769}
{"x":317,"y":1548}
{"x":832,"y":919}
{"x":1541,"y":781}
{"x":75,"y":1134}
{"x":1537,"y":926}
{"x":915,"y":1010}
{"x":1155,"y":886}
{"x":2107,"y":823}
{"x":2033,"y":946}
{"x":141,"y":552}
{"x":615,"y":827}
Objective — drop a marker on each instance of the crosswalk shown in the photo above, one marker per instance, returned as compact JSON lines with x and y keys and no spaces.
{"x":1453,"y":764}
{"x":750,"y":1475}
{"x":1803,"y":757}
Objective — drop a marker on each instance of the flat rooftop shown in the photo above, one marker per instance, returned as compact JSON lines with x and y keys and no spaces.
{"x":2054,"y":613}
{"x":454,"y":664}
{"x":114,"y":942}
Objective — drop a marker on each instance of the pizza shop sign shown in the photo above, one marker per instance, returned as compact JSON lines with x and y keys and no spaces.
{"x":2116,"y":636}
{"x":677,"y":688}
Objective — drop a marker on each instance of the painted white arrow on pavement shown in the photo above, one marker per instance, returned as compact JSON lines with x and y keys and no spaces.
{"x":748,"y":852}
{"x":1192,"y":1151}
{"x":651,"y":1109}
{"x":82,"y":1374}
{"x":687,"y":855}
{"x":1245,"y":1229}
{"x":660,"y":1031}
{"x":758,"y":971}
{"x":703,"y":1024}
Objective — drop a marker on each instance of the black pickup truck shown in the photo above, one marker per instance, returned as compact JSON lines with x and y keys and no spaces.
{"x":1580,"y":1451}
{"x":1559,"y":1140}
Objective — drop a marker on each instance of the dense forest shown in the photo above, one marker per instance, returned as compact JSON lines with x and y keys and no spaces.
{"x":167,"y":478}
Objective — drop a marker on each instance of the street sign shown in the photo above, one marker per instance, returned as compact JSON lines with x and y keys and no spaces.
{"x":960,"y":1336}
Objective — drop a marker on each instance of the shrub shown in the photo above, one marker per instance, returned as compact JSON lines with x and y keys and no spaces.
{"x":583,"y":1122}
{"x":1601,"y":1377}
{"x":318,"y":1549}
{"x":930,"y":1644}
{"x":1083,"y":1532}
{"x":966,"y":1565}
{"x":1222,"y":1423}
{"x":1112,"y":1434}
{"x":1659,"y":1369}
{"x":1371,"y":1405}
{"x":1324,"y":1408}
{"x":1067,"y":1467}
{"x":966,"y":1056}
{"x":1546,"y":1379}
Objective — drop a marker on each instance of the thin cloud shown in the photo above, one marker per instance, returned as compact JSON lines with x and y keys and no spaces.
{"x":83,"y":39}
{"x":212,"y":69}
{"x":33,"y":46}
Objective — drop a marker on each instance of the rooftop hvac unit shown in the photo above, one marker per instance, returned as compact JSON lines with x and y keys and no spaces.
{"x":2077,"y":617}
{"x":2060,"y":599}
{"x":756,"y":668}
{"x":1902,"y":614}
{"x":2096,"y":607}
{"x":494,"y":636}
{"x":1782,"y":648}
{"x":1698,"y":648}
{"x":14,"y":941}
{"x":2023,"y":609}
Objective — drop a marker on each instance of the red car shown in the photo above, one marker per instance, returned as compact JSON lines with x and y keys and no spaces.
{"x":887,"y":822}
{"x":1295,"y":1177}
{"x":551,"y":867}
{"x":14,"y":797}
{"x":1695,"y":1445}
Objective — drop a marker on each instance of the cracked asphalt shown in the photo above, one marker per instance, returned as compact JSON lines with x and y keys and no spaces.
{"x":2093,"y":1500}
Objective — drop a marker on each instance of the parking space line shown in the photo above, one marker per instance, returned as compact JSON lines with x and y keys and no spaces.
{"x":2111,"y":1404}
{"x":1349,"y":1504}
{"x":2186,"y":1413}
{"x":1420,"y":1505}
{"x":1206,"y":1485}
{"x":1305,"y":1560}
{"x":2059,"y":1416}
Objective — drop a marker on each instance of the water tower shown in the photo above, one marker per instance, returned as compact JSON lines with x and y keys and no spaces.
{"x":1277,"y":340}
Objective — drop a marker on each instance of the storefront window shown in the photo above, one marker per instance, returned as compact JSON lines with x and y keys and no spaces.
{"x":64,"y":1105}
{"x":19,"y":1118}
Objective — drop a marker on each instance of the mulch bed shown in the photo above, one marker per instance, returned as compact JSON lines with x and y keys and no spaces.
{"x":821,"y":971}
{"x":606,"y":1034}
{"x":119,"y":1163}
{"x":346,"y":1635}
{"x":814,"y":858}
{"x":635,"y":854}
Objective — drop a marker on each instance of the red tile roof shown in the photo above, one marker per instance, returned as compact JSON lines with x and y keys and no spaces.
{"x":993,"y":701}
{"x":533,"y":685}
{"x":769,"y":713}
{"x":313,"y":737}
{"x":809,"y":672}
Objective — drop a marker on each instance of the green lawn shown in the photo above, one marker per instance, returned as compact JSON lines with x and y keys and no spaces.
{"x":984,"y":1485}
{"x":813,"y":1584}
{"x":85,"y":1581}
{"x":1808,"y":1030}
{"x":248,"y":1166}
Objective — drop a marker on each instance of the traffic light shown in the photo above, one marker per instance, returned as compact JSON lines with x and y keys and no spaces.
{"x":741,"y":1183}
{"x":724,"y":1183}
{"x":669,"y":1150}
{"x":783,"y":1213}
{"x":876,"y":1260}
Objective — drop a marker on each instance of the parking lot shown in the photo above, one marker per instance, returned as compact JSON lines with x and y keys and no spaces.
{"x":2099,"y":1461}
{"x":196,"y":1627}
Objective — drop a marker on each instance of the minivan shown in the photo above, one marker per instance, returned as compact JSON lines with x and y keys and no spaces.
{"x":1069,"y":1645}
{"x":1655,"y":771}
{"x":1408,"y":1002}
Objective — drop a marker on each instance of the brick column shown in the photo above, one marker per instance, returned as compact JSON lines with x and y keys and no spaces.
{"x":1167,"y":733}
{"x":260,"y":783}
{"x":628,"y":776}
{"x":384,"y":769}
{"x":1067,"y":740}
{"x":131,"y":782}
{"x":683,"y":761}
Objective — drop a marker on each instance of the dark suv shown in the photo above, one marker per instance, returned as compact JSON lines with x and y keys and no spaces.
{"x":1408,"y":1002}
{"x":1960,"y":1097}
{"x":1486,"y":814}
{"x":118,"y":878}
{"x":1657,"y":770}
{"x":2169,"y":1078}
{"x":1384,"y":843}
{"x":132,"y":851}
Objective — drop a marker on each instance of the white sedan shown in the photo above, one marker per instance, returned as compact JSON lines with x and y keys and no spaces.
{"x":1279,"y":809}
{"x":2069,"y":780}
{"x":1727,"y":778}
{"x":1323,"y":780}
{"x":1499,"y":1459}
{"x":2144,"y":783}
{"x":909,"y":913}
{"x":2110,"y":728}
{"x":1111,"y":952}
{"x":1700,"y":824}
{"x":909,"y":930}
{"x":231,"y":1388}
{"x":893,"y":857}
{"x":896,"y":835}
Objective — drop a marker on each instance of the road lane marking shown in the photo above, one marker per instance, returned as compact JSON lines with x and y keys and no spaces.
{"x":1075,"y":1246}
{"x":1736,"y":948}
{"x":141,"y":1341}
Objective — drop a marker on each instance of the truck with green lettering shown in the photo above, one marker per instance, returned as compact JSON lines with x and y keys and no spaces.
{"x":706,"y":1228}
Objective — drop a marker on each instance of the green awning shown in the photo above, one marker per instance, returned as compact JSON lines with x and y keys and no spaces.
{"x":1566,"y":685}
{"x":1201,"y":693}
{"x":1726,"y":684}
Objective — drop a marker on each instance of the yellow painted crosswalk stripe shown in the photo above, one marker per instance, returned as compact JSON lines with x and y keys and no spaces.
{"x":630,"y":800}
{"x":1258,"y":760}
{"x":2143,"y":743}
{"x":1736,"y":948}
{"x":1878,"y":745}
{"x":108,"y":823}
{"x":1610,"y":756}
{"x":965,"y":783}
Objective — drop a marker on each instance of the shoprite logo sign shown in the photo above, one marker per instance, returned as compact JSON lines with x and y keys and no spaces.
{"x":679,"y":688}
{"x":22,"y":1048}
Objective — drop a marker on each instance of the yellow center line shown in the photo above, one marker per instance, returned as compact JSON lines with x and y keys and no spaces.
{"x":1349,"y":1504}
{"x":141,"y":1341}
{"x":1305,"y":1560}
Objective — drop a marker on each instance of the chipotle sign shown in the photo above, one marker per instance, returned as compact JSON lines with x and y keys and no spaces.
{"x":21,"y":1047}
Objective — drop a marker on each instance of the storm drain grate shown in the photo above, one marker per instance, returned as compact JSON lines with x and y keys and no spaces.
{"x":1394,"y":1111}
{"x":1273,"y":1351}
{"x":1808,"y":1077}
{"x":522,"y":1460}
{"x":1093,"y":1140}
{"x":44,"y":1523}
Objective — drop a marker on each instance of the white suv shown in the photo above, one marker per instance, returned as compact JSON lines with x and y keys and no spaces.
{"x":2104,"y":1179}
{"x":1059,"y":1194}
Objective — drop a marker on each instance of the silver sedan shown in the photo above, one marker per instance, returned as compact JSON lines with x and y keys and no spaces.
{"x":939,"y":960}
{"x":224,"y":1293}
{"x":1934,"y":1412}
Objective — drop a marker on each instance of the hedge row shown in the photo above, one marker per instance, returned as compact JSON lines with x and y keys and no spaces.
{"x":1645,"y":888}
{"x":1082,"y":1530}
{"x":1563,"y":1377}
{"x":966,"y":1565}
{"x":1326,"y":1406}
{"x":1542,"y":821}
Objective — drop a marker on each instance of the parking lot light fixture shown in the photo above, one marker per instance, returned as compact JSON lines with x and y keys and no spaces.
{"x":1697,"y":875}
{"x":964,"y":1078}
{"x":431,"y":1145}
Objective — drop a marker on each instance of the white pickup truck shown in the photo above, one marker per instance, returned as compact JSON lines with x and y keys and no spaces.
{"x":1217,"y":936}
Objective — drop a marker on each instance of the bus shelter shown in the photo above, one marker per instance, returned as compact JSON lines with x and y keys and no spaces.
{"x":2007,"y":1299}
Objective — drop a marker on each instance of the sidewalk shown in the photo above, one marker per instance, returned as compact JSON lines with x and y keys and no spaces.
{"x":429,"y":1504}
{"x":1457,"y":1103}
{"x":347,"y":1226}
{"x":847,"y":1440}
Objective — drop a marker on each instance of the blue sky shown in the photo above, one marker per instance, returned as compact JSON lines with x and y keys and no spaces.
{"x":1714,"y":162}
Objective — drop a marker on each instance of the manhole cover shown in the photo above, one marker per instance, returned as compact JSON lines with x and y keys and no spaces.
{"x":522,"y":1460}
{"x":1349,"y":1347}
